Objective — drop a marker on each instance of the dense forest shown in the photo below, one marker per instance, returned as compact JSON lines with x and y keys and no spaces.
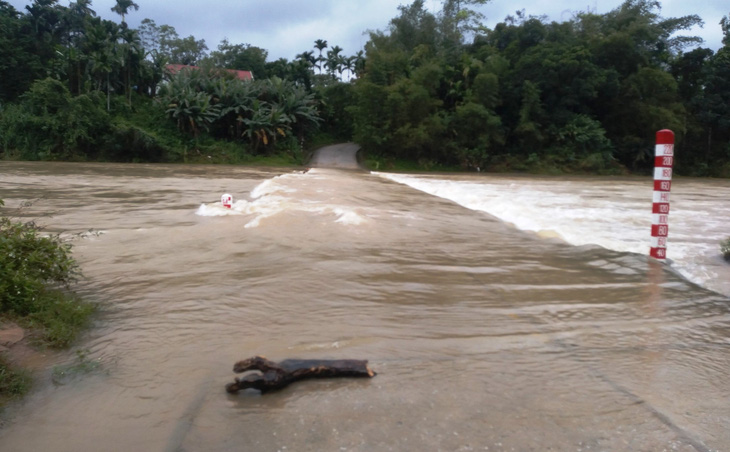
{"x":434,"y":90}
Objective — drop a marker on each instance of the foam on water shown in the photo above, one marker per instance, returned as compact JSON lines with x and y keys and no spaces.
{"x":345,"y":216}
{"x":614,"y":216}
{"x":280,"y":194}
{"x":216,"y":209}
{"x":273,"y":185}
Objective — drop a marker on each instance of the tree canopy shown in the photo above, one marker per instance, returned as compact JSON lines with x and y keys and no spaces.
{"x":585,"y":94}
{"x":438,"y":88}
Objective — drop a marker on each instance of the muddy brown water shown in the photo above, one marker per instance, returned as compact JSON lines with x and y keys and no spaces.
{"x":484,"y":337}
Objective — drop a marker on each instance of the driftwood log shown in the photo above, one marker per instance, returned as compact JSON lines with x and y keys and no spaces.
{"x":270,"y":376}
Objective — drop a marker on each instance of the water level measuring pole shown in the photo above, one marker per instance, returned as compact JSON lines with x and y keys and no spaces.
{"x":663,"y":162}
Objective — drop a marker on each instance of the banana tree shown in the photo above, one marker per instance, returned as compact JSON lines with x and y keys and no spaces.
{"x":266,"y":124}
{"x":192,"y":110}
{"x":236,"y":99}
{"x":301,"y":108}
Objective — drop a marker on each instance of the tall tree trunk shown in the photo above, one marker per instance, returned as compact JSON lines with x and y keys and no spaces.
{"x":128,"y":86}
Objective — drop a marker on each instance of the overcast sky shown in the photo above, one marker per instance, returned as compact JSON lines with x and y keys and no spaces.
{"x":288,"y":27}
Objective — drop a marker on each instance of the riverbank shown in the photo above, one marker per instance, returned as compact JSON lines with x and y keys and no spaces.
{"x":207,"y":150}
{"x":37,"y":307}
{"x":14,"y":383}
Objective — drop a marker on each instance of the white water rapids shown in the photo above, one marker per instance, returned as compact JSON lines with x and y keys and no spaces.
{"x":614,"y":213}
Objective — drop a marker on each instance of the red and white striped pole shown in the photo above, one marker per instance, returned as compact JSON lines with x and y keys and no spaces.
{"x":663,"y":162}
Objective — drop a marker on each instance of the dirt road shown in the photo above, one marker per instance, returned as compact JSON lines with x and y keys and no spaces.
{"x":342,"y":155}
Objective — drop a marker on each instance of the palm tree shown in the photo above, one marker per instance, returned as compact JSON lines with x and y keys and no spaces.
{"x":301,"y":72}
{"x":103,"y":50}
{"x":76,"y":18}
{"x":334,"y":62}
{"x":320,"y":44}
{"x":359,"y":63}
{"x":123,"y":6}
{"x":308,"y":58}
{"x":131,"y":48}
{"x":151,"y":72}
{"x":82,"y":8}
{"x":349,"y":65}
{"x":45,"y":21}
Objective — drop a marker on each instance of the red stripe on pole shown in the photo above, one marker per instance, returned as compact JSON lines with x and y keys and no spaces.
{"x":660,"y":207}
{"x":665,"y":136}
{"x":658,"y":253}
{"x":662,"y":185}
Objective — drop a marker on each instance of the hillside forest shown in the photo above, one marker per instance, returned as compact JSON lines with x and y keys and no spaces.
{"x":431,"y":90}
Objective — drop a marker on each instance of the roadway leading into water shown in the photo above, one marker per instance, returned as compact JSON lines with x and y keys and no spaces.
{"x":342,"y":156}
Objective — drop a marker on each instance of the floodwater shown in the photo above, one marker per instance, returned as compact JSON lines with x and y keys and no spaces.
{"x":484,"y":336}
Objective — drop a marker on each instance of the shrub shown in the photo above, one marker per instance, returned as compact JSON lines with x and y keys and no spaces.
{"x":131,"y":143}
{"x":13,"y":382}
{"x":50,"y":124}
{"x":35,"y":274}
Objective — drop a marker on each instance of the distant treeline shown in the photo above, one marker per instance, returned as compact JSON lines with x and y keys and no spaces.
{"x":439,"y":90}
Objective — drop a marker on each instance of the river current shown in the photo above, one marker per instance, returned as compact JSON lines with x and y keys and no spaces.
{"x":509,"y":313}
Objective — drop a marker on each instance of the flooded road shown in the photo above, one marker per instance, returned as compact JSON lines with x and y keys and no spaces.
{"x":484,"y":337}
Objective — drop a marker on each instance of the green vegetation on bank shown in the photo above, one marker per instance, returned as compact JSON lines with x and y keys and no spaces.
{"x":434,"y":90}
{"x":14,"y":382}
{"x":725,"y":249}
{"x":36,"y":271}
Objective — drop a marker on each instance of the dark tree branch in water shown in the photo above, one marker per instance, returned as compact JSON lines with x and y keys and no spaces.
{"x":273,"y":376}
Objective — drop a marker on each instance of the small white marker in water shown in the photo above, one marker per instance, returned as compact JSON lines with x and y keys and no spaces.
{"x":227,"y":200}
